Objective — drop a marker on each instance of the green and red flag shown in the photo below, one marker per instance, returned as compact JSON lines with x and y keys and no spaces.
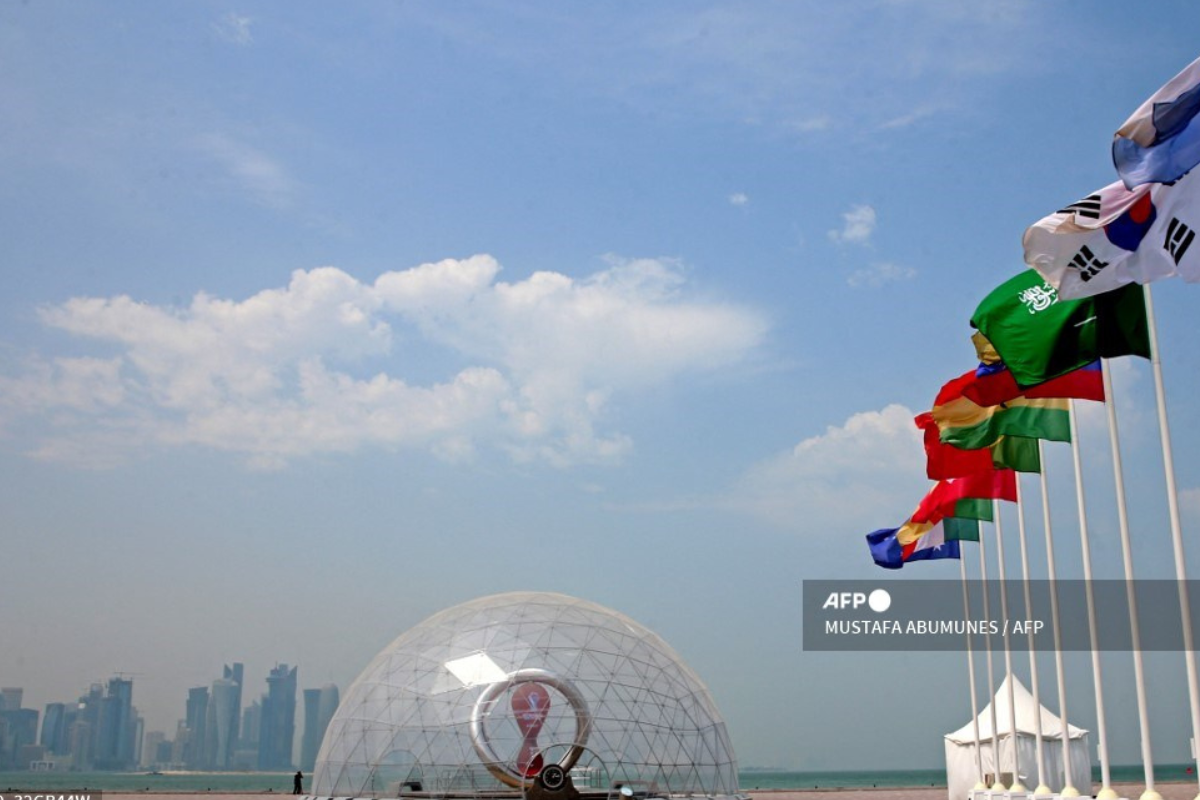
{"x":1041,"y":336}
{"x":943,"y":461}
{"x":968,"y":497}
{"x":965,"y":424}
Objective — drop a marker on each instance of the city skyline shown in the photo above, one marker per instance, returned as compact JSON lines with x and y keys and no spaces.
{"x":104,"y":731}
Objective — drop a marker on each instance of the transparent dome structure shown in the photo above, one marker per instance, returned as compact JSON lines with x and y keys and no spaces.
{"x":488,"y":698}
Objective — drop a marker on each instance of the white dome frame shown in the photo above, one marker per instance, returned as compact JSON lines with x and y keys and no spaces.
{"x":427,"y":716}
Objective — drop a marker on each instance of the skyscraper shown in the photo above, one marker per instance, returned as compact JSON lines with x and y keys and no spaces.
{"x":197,"y":724}
{"x":10,"y":698}
{"x":319,"y":705}
{"x":116,"y":736}
{"x":223,"y":716}
{"x":54,"y":729}
{"x":277,"y":731}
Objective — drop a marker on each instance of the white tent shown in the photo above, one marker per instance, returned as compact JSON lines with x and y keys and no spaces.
{"x":961,"y":774}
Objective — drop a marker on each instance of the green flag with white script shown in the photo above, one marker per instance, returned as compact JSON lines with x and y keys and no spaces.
{"x":1040,"y":336}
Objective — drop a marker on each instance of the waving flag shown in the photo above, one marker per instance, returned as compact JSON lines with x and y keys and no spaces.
{"x":945,"y":461}
{"x":940,"y":541}
{"x":994,"y":383}
{"x":1161,"y":141}
{"x":968,"y":496}
{"x":1041,"y":336}
{"x":1118,"y":236}
{"x":970,"y":426}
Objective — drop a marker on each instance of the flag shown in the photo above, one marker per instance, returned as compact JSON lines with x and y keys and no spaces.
{"x":1041,"y":336}
{"x":888,"y":553}
{"x":970,"y":426}
{"x":1117,"y":236}
{"x":964,"y":494}
{"x":1161,"y":141}
{"x":946,"y":461}
{"x":994,"y":383}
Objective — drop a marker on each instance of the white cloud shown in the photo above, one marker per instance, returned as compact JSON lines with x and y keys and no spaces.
{"x":880,"y":274}
{"x":858,"y":225}
{"x":868,"y":471}
{"x":267,"y":181}
{"x":234,"y":28}
{"x":739,"y":199}
{"x":311,"y":368}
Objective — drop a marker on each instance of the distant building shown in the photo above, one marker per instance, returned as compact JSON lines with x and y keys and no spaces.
{"x":163,"y":752}
{"x":18,"y":731}
{"x":150,"y":749}
{"x":245,"y":756}
{"x":251,"y":724}
{"x":235,"y":674}
{"x":223,"y":721}
{"x":54,"y":729}
{"x":193,"y":755}
{"x":319,"y":705}
{"x":277,"y":731}
{"x":79,"y":737}
{"x":10,"y":698}
{"x":116,"y":743}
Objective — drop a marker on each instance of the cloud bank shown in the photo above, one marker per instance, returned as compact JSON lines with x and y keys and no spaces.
{"x":318,"y":366}
{"x":867,"y":472}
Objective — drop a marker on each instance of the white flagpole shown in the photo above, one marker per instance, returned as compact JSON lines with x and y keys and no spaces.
{"x":1189,"y":650}
{"x":1069,"y":789}
{"x":962,"y":567}
{"x":1106,"y":790}
{"x":987,"y":614}
{"x":1016,"y":786}
{"x":1042,"y":788}
{"x":1139,"y":677}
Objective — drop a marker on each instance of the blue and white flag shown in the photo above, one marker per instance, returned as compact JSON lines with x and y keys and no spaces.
{"x":1117,"y":236}
{"x":888,"y":553}
{"x":1161,"y":141}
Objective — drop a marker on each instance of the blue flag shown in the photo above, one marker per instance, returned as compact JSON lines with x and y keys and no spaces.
{"x":888,"y":553}
{"x":1161,"y":141}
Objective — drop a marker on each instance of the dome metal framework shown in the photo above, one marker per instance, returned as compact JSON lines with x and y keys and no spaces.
{"x":503,"y":693}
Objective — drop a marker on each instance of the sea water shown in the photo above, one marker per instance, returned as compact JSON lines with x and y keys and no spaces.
{"x":281,"y":782}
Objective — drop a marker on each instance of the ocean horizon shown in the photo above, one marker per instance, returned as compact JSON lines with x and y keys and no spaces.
{"x":755,"y":779}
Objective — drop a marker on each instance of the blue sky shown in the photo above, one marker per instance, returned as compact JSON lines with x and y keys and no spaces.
{"x":321,"y":318}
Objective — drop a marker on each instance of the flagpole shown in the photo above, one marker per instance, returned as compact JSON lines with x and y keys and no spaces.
{"x":1130,"y":593}
{"x":987,"y":614}
{"x":1189,"y":650}
{"x":1068,"y":789}
{"x":1042,"y":788}
{"x":1016,"y":786}
{"x":1106,"y":790}
{"x":962,"y":567}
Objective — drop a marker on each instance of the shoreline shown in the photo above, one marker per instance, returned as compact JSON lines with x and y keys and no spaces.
{"x":1170,"y":790}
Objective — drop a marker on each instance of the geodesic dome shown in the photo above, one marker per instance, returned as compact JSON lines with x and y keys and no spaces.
{"x":480,"y":698}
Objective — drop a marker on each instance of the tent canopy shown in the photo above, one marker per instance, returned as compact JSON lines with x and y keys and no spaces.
{"x":1027,"y":715}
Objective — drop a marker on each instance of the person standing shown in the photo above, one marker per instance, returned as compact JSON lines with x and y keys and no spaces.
{"x":298,"y":783}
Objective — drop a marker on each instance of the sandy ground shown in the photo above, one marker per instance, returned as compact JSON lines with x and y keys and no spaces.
{"x":1169,"y":791}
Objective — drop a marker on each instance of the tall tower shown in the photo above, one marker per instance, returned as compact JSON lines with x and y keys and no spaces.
{"x":116,"y":738}
{"x":197,"y":724}
{"x":234,"y":674}
{"x":10,"y":698}
{"x":278,"y":728}
{"x":223,"y":714}
{"x":319,"y":705}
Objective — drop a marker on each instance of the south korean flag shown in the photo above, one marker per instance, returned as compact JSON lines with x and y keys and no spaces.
{"x":1117,"y":236}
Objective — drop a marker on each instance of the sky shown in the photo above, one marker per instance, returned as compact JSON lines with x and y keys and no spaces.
{"x":321,"y":318}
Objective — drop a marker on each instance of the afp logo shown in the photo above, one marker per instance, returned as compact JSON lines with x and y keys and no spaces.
{"x":878,"y":600}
